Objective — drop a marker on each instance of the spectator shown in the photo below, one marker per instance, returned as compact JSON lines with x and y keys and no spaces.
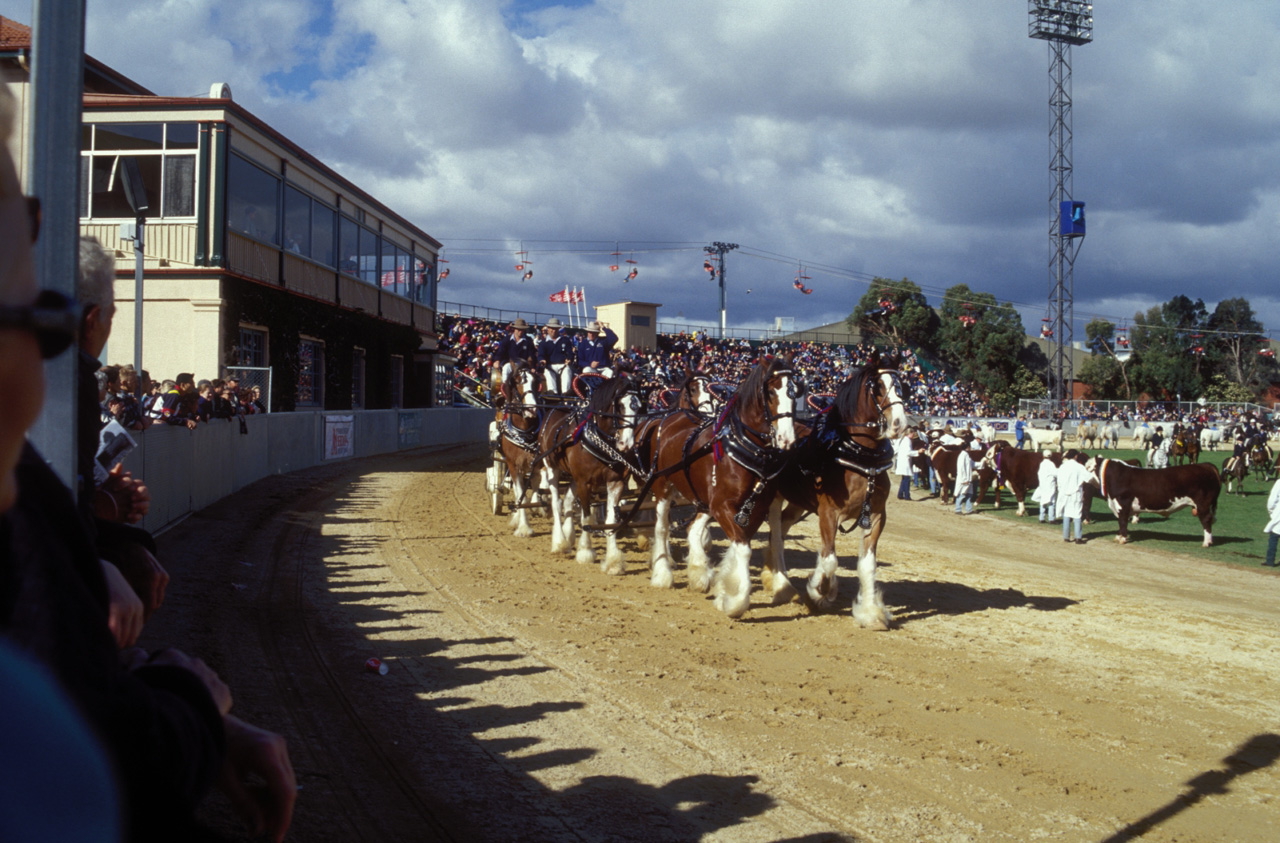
{"x":179,"y":407}
{"x":1071,"y":477}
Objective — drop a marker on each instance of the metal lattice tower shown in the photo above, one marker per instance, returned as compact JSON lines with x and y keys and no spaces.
{"x":1061,"y":23}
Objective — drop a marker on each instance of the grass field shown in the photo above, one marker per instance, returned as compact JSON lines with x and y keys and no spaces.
{"x":1237,"y":534}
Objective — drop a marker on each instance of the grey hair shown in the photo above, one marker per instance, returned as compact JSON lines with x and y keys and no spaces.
{"x":97,"y":275}
{"x":101,"y":377}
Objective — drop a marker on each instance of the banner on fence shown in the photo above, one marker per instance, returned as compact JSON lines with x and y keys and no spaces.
{"x":339,"y":437}
{"x":410,"y":430}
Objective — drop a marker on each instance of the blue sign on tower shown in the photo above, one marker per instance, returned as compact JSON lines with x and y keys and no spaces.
{"x":1072,"y":219}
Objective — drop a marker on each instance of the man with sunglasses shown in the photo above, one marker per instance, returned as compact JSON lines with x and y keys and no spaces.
{"x":164,"y":718}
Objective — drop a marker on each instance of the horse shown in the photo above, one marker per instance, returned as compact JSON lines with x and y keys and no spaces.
{"x":1260,"y":461}
{"x":728,"y":467}
{"x":1088,"y":432}
{"x":1110,"y":436}
{"x":1235,"y":475}
{"x":837,"y":472}
{"x":518,"y":425}
{"x":1185,"y":445}
{"x":589,"y":443}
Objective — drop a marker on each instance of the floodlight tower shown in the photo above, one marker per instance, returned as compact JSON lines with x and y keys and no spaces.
{"x":1061,"y":23}
{"x":719,"y":250}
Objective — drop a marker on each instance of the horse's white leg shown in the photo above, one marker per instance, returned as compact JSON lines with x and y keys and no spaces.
{"x":823,"y":586}
{"x":520,"y":515}
{"x":613,"y":556}
{"x":698,"y":562}
{"x":773,"y":576}
{"x":660,"y":559}
{"x":732,"y":584}
{"x":870,"y":611}
{"x":559,"y":541}
{"x":586,"y":555}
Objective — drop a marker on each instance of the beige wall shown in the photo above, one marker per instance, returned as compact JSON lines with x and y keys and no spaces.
{"x":618,"y":317}
{"x":180,"y":327}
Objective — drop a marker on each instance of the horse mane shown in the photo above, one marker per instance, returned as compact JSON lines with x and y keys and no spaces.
{"x":602,"y":399}
{"x":849,"y":394}
{"x":753,"y":384}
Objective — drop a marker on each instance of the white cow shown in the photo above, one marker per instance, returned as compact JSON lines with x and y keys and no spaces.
{"x":1045,"y":439}
{"x":1210,"y":438}
{"x":986,"y":434}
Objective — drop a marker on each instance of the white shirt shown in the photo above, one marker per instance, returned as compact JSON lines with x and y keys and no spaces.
{"x":902,"y":455}
{"x":1071,"y":479}
{"x":1047,"y":480}
{"x":1273,"y":508}
{"x":964,"y":472}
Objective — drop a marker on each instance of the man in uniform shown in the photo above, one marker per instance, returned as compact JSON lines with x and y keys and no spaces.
{"x":556,"y":353}
{"x":518,"y":346}
{"x":595,"y":352}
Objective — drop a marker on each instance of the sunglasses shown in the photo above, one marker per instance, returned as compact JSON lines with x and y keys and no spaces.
{"x":54,"y":319}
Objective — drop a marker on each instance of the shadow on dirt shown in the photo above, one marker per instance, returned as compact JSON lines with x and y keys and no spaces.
{"x":409,"y":754}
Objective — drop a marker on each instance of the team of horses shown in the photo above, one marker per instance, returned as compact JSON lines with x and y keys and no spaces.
{"x":740,"y":456}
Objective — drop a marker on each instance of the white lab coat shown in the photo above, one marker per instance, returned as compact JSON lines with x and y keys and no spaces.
{"x":1071,"y":479}
{"x":1273,"y":509}
{"x":902,"y":454}
{"x":964,"y":473}
{"x":1046,"y":493}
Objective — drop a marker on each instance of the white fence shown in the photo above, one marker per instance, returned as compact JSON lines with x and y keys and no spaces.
{"x":187,"y":470}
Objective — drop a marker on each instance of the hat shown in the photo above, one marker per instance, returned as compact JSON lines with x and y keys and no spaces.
{"x":185,"y":377}
{"x":595,"y":328}
{"x":553,"y":322}
{"x":520,"y":325}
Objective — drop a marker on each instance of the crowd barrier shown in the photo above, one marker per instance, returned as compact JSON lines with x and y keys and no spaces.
{"x":187,"y":470}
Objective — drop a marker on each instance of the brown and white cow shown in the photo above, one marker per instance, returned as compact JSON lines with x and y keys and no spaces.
{"x":1019,"y":471}
{"x":943,"y":460}
{"x":1129,"y":490}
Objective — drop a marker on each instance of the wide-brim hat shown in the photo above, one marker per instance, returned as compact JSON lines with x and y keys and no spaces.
{"x":553,"y":322}
{"x":595,"y":328}
{"x":185,"y":377}
{"x":520,"y":324}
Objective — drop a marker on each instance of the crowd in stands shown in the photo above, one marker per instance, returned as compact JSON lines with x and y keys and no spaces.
{"x":137,"y":402}
{"x":99,"y":740}
{"x":474,"y":342}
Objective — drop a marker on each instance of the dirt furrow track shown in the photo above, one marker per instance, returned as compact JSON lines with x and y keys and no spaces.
{"x":1030,"y":688}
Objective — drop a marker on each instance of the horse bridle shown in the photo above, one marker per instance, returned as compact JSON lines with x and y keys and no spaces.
{"x":892,"y":397}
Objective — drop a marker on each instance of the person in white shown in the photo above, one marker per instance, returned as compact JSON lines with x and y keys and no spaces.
{"x":1046,"y":493}
{"x":1071,"y":479}
{"x":964,"y":482}
{"x":902,"y":455}
{"x":1273,"y":526}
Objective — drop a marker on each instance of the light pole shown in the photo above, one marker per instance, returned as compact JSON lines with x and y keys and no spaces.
{"x":720,"y":250}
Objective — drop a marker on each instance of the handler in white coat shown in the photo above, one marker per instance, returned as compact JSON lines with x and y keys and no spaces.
{"x":1071,"y":479}
{"x":1046,"y":493}
{"x":1273,"y":526}
{"x":902,"y":455}
{"x":964,"y":482}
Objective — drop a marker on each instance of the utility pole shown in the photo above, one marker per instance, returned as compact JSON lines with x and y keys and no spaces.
{"x":1061,"y":23}
{"x":720,"y":250}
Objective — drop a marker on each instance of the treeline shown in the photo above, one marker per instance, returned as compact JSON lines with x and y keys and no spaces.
{"x":1180,"y":348}
{"x":1177,"y":348}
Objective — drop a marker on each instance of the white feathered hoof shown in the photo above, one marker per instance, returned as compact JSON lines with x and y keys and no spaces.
{"x":822,"y":594}
{"x":733,"y":605}
{"x":700,"y":578}
{"x":874,"y":617}
{"x":613,"y":565}
{"x":586,"y":556}
{"x":783,"y":591}
{"x":524,"y":531}
{"x":661,"y":577}
{"x":642,"y":542}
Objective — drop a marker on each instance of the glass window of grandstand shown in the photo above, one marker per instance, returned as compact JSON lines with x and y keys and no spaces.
{"x":252,"y":350}
{"x":253,"y":201}
{"x":166,"y":157}
{"x":348,"y":246}
{"x":357,"y":379}
{"x":310,"y":373}
{"x":397,"y":380}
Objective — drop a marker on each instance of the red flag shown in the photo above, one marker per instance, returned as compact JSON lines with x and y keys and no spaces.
{"x":577,"y":297}
{"x":561,"y":296}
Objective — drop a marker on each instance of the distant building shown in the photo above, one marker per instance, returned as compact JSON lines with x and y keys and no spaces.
{"x":258,"y":257}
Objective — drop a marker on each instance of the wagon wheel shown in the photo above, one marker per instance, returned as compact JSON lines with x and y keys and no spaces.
{"x":495,"y":475}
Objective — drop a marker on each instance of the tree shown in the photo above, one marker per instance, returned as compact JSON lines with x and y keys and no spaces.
{"x":980,"y":338}
{"x":1025,"y":384}
{"x":1221,"y":388}
{"x":1165,"y":339}
{"x":1105,"y":373}
{"x":1236,"y":337}
{"x":909,"y":323}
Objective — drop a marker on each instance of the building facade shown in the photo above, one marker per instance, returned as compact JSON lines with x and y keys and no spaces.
{"x":258,"y":259}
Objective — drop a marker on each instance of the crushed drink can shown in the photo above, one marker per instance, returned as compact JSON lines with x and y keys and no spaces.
{"x":375,"y":665}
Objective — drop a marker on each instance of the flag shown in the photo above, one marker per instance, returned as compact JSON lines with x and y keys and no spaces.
{"x":393,"y":278}
{"x":576,"y":297}
{"x":561,"y":296}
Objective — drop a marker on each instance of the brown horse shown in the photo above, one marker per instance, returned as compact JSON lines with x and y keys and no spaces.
{"x":1185,"y":445}
{"x":588,"y":443}
{"x":518,"y":428}
{"x":838,"y":472}
{"x":728,"y":468}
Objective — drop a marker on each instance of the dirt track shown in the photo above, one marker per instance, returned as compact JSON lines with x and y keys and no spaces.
{"x":1030,"y":689}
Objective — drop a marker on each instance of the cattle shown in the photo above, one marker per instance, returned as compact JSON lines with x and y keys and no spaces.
{"x":1210,"y":438}
{"x":1129,"y":490}
{"x":1088,"y":432}
{"x":1041,"y":438}
{"x":1110,"y":436}
{"x":987,"y":434}
{"x":943,"y":460}
{"x":1019,"y":471}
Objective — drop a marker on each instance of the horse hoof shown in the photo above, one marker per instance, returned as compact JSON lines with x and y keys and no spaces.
{"x":699,"y":579}
{"x":642,"y":542}
{"x":586,"y":557}
{"x":784,"y":593}
{"x":524,"y":532}
{"x":662,"y":579}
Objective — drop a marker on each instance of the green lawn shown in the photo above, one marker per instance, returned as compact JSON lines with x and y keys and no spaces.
{"x":1237,"y":534}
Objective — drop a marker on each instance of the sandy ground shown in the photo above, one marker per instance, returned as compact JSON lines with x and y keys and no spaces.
{"x":1030,"y":689}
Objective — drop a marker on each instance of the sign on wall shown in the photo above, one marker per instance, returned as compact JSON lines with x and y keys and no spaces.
{"x":339,"y":437}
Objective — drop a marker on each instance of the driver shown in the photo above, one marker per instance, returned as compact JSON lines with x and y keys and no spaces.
{"x":556,"y":353}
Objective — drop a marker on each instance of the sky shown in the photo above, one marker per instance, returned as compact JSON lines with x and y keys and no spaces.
{"x":838,"y":139}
